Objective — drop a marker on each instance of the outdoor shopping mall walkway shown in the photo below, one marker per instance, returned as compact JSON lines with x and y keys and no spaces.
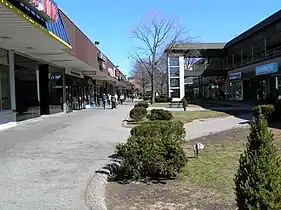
{"x":46,"y":164}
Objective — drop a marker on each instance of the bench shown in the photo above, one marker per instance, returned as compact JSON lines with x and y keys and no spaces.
{"x":175,"y":104}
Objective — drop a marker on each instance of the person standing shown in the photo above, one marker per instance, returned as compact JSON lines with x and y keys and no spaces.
{"x":113,"y":102}
{"x":122,"y":98}
{"x":109,"y":99}
{"x":104,"y":100}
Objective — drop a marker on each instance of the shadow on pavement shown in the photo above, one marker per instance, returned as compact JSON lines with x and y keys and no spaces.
{"x":237,"y":109}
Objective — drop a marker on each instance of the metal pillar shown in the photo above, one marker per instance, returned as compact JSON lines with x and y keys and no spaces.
{"x":64,"y":91}
{"x":252,"y":53}
{"x":12,"y":80}
{"x":265,"y":47}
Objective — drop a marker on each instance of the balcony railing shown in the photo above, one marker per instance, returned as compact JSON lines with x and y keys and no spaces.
{"x":275,"y":52}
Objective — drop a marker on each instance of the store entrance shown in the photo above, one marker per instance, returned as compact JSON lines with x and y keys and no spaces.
{"x":78,"y":93}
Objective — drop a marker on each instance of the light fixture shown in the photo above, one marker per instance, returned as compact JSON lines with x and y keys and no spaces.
{"x":97,"y":42}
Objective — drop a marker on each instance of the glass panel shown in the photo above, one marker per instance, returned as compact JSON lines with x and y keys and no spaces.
{"x":175,"y":93}
{"x":174,"y":71}
{"x":27,"y":103}
{"x":174,"y":82}
{"x":55,"y":84}
{"x":5,"y":88}
{"x":174,"y":61}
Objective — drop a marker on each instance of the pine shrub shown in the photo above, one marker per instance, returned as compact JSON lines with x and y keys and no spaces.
{"x":257,"y":181}
{"x":266,"y":109}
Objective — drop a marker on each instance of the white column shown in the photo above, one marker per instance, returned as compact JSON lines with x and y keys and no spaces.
{"x":182,"y":90}
{"x":168,"y":66}
{"x":12,"y":80}
{"x":64,"y":91}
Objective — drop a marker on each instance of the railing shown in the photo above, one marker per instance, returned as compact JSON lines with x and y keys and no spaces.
{"x":245,"y":61}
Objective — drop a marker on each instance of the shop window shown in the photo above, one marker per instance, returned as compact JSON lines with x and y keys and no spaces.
{"x":175,"y":93}
{"x":175,"y":82}
{"x":174,"y":61}
{"x":4,"y":88}
{"x":174,"y":71}
{"x":236,"y":90}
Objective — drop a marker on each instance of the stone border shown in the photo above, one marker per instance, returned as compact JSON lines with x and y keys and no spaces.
{"x":95,"y":193}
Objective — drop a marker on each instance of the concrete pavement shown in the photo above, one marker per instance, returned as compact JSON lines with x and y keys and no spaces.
{"x":46,"y":163}
{"x":204,"y":127}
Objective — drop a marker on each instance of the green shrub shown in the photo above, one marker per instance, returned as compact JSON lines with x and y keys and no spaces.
{"x":147,"y":98}
{"x":171,"y":129}
{"x":160,"y":114}
{"x":142,"y":104}
{"x":163,"y":99}
{"x":267,"y":110}
{"x":152,"y":153}
{"x":138,"y":113}
{"x":257,"y":181}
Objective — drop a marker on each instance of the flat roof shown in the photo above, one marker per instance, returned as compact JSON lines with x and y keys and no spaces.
{"x":271,"y":19}
{"x":198,"y":46}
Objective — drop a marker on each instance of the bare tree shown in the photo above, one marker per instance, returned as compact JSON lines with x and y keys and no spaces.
{"x":154,"y":38}
{"x":140,"y":75}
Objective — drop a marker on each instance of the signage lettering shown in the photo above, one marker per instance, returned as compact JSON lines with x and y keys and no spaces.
{"x":46,"y":9}
{"x":267,"y":69}
{"x":236,"y":75}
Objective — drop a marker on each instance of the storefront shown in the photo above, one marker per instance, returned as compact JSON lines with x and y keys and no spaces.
{"x":267,"y":77}
{"x":235,"y":86}
{"x":79,"y":90}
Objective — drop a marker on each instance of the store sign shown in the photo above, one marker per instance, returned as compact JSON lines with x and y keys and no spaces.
{"x":267,"y":69}
{"x":46,"y":9}
{"x":236,"y":75}
{"x":110,"y":72}
{"x":74,"y":73}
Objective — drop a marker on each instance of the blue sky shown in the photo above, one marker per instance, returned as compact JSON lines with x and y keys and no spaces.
{"x":110,"y":21}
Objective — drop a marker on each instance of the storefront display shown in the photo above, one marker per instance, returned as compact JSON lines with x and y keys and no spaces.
{"x":235,"y":86}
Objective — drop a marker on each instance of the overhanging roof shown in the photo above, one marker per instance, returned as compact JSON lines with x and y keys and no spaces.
{"x":271,"y":19}
{"x":25,"y":36}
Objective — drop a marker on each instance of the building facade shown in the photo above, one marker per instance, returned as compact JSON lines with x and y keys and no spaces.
{"x":245,"y":68}
{"x":47,"y":64}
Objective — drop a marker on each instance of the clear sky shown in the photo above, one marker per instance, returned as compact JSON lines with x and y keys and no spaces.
{"x":110,"y":21}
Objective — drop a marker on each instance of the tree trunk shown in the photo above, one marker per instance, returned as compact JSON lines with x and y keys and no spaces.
{"x":152,"y":87}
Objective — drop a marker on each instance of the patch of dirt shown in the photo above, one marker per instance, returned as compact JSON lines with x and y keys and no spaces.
{"x":175,"y":194}
{"x":233,"y":134}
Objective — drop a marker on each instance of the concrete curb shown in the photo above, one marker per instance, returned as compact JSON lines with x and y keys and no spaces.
{"x":95,"y":193}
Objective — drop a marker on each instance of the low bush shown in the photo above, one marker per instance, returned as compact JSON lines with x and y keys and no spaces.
{"x":138,"y":113}
{"x":160,"y":114}
{"x":267,"y":110}
{"x":154,"y":150}
{"x":142,"y":104}
{"x":171,"y":129}
{"x":147,"y":98}
{"x":163,"y":99}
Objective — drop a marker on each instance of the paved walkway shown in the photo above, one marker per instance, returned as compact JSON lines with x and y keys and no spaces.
{"x":46,"y":164}
{"x":199,"y":128}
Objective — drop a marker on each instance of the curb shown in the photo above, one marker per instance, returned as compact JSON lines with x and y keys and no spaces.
{"x":95,"y":193}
